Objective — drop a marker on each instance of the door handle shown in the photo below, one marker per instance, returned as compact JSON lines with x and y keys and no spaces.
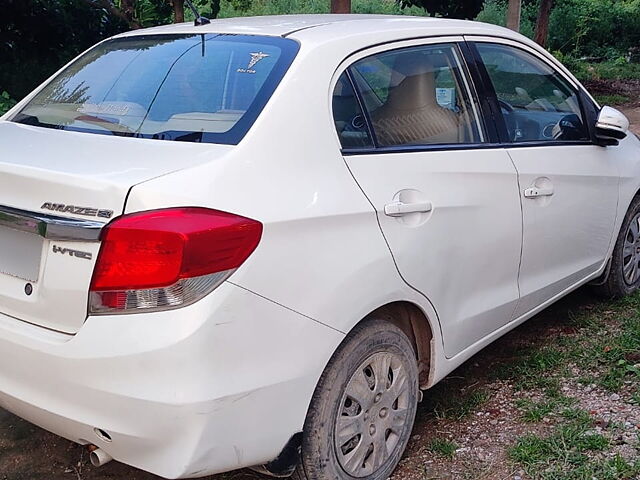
{"x":398,"y":209}
{"x":534,"y":192}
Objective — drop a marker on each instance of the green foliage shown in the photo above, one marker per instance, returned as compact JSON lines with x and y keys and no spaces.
{"x":532,"y":368}
{"x":563,"y":454}
{"x":447,"y":8}
{"x":442,"y":447}
{"x":38,"y":36}
{"x":552,"y":405}
{"x":6,"y":102}
{"x":151,"y":13}
{"x":594,"y":28}
{"x":599,"y":28}
{"x":495,"y":12}
{"x":446,"y":402}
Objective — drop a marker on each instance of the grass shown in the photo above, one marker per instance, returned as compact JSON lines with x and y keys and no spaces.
{"x":442,"y":447}
{"x":529,"y":368}
{"x":563,"y":453}
{"x":608,"y":352}
{"x":612,"y":99}
{"x":538,"y":410}
{"x":445,"y":402}
{"x":605,"y":344}
{"x":615,"y":69}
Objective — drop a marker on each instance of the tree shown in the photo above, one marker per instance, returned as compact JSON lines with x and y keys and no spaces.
{"x":178,"y":11}
{"x":467,"y":9}
{"x":125,"y":11}
{"x":513,"y":15}
{"x":542,"y":23}
{"x":37,"y":37}
{"x":340,"y":6}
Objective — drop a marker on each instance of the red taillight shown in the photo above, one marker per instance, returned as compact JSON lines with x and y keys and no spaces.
{"x":155,"y":249}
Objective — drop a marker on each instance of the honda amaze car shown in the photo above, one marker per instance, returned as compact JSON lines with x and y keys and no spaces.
{"x":254,"y":242}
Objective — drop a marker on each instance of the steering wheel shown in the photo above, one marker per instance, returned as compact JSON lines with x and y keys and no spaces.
{"x":511,"y":119}
{"x":356,"y":123}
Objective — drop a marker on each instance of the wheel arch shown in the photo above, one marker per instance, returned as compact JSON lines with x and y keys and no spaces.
{"x":415,"y":323}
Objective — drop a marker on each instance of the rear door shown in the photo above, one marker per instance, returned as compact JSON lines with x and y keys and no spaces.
{"x":568,"y":185}
{"x":446,"y":197}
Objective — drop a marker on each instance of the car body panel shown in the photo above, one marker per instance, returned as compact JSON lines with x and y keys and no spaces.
{"x":187,"y":393}
{"x":42,"y":166}
{"x":201,"y":389}
{"x":566,"y":236}
{"x":474,"y":207}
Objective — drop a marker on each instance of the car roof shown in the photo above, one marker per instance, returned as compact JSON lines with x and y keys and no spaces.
{"x":287,"y":25}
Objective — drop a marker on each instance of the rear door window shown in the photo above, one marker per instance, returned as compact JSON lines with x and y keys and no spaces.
{"x":418,"y":96}
{"x":198,"y":88}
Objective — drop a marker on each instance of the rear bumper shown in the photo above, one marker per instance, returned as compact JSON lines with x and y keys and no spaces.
{"x":219,"y":385}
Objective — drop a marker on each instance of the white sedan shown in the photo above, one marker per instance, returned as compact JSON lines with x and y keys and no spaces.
{"x":252,"y":243}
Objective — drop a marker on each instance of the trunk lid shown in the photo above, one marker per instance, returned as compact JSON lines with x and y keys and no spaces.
{"x":77,"y":176}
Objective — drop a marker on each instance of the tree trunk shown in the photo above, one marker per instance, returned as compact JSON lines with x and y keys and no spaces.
{"x":513,"y":15}
{"x":128,"y":8}
{"x":128,"y":17}
{"x":178,"y":11}
{"x":340,"y":6}
{"x":542,"y":24}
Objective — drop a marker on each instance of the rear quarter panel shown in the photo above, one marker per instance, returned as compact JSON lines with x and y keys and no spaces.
{"x":322,"y":253}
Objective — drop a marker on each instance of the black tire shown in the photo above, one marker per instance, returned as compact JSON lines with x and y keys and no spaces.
{"x":615,"y":285}
{"x":372,"y":341}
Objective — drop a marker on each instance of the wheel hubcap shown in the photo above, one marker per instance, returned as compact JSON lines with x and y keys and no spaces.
{"x":631,"y":252}
{"x":372,"y":415}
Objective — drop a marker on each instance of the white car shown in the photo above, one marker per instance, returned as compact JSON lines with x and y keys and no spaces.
{"x":252,"y":243}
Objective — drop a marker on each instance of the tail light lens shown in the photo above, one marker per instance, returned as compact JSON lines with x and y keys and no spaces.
{"x":170,"y":258}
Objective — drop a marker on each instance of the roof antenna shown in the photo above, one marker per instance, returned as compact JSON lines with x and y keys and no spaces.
{"x":200,"y":20}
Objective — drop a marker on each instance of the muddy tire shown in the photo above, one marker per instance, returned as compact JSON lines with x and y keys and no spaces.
{"x":363,"y":408}
{"x":624,"y":273}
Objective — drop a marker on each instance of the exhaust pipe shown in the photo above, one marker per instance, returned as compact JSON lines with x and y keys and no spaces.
{"x":99,"y":457}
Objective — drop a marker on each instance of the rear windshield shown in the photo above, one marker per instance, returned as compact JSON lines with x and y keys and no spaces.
{"x":195,"y":88}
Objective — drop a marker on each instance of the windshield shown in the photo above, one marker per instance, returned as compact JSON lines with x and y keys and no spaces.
{"x":197,"y":88}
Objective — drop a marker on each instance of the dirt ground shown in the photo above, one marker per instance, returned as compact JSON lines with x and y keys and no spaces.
{"x":633,"y":114}
{"x":472,"y":410}
{"x":475,"y":424}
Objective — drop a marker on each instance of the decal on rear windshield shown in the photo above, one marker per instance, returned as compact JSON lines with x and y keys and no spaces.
{"x":255,"y":58}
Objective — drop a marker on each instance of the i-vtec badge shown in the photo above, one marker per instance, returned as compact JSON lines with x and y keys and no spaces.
{"x":72,"y":253}
{"x":86,"y":211}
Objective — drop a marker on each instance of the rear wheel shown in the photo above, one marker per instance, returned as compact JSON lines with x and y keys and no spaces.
{"x":362,"y":411}
{"x":624,"y":272}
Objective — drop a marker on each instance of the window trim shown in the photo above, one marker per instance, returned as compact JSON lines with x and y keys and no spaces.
{"x":490,"y":92}
{"x":363,"y":109}
{"x":485,"y":122}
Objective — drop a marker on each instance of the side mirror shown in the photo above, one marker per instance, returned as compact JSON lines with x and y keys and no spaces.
{"x":611,"y":126}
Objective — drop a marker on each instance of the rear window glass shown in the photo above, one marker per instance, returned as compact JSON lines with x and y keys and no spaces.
{"x":197,"y":88}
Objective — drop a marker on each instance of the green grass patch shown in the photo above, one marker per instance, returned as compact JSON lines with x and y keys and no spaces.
{"x":614,"y":69}
{"x":552,"y":405}
{"x":612,"y":99}
{"x":612,"y":357}
{"x":529,"y":369}
{"x":562,"y":452}
{"x":442,"y":447}
{"x":450,"y":403}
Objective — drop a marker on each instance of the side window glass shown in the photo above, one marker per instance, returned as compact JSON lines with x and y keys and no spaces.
{"x":418,"y":96}
{"x":536,"y":102}
{"x":348,"y":117}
